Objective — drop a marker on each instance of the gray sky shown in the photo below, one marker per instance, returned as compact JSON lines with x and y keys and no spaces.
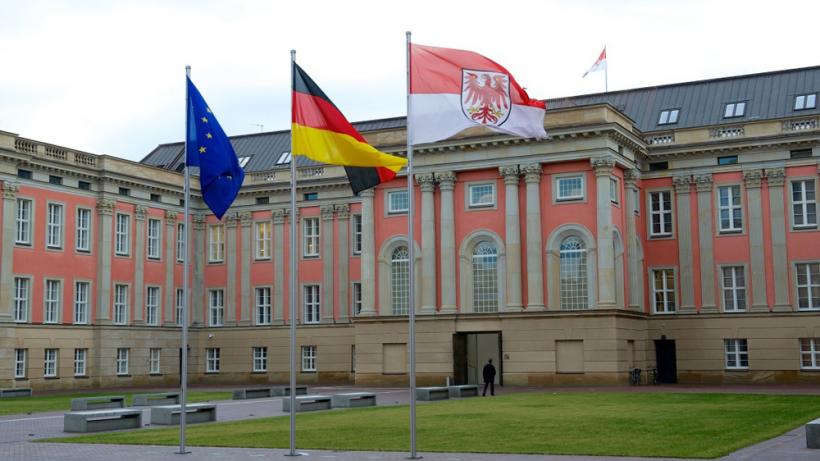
{"x":108,"y":76}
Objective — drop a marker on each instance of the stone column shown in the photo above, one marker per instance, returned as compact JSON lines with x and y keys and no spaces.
{"x":326,"y":299}
{"x":7,"y":262}
{"x":343,"y":258}
{"x":167,"y":318}
{"x":198,"y":252}
{"x":105,"y":212}
{"x":139,"y":264}
{"x":279,"y":217}
{"x":446,"y":184}
{"x":513,"y":237}
{"x":231,"y":222}
{"x":603,"y":167}
{"x":684,"y":212}
{"x":633,"y":262}
{"x":245,"y":295}
{"x":703,"y":184}
{"x":535,"y":253}
{"x":776,"y":177}
{"x":368,"y":257}
{"x":753,"y":180}
{"x":428,"y":243}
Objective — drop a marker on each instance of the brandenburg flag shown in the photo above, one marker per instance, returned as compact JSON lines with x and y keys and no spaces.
{"x":321,"y":133}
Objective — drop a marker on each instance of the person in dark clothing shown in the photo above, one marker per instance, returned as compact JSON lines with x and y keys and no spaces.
{"x":489,"y":378}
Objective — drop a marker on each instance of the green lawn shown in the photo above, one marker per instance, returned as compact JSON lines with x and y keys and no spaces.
{"x":628,"y":424}
{"x":60,"y":402}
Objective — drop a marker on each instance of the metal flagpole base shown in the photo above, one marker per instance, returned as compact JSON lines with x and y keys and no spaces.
{"x":187,"y":452}
{"x":296,"y":454}
{"x":414,"y":457}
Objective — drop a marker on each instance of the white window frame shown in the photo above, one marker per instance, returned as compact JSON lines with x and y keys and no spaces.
{"x":154,"y":361}
{"x":614,"y":191}
{"x":180,"y":247}
{"x":122,"y":235}
{"x":262,"y":295}
{"x":121,"y":301}
{"x":813,"y":303}
{"x":735,"y":288}
{"x":311,"y":303}
{"x":308,"y":359}
{"x":20,"y":363}
{"x":805,"y":101}
{"x":664,"y":290}
{"x":81,"y":302}
{"x":812,"y":351}
{"x":803,"y":203}
{"x":216,"y":243}
{"x":80,"y":362}
{"x":263,"y":233}
{"x":310,"y":237}
{"x":178,"y":305}
{"x":82,"y":236}
{"x":260,"y":359}
{"x":216,"y":307}
{"x":393,"y":203}
{"x":733,"y":353}
{"x":212,"y":358}
{"x":357,"y":226}
{"x":122,"y":361}
{"x":22,"y":299}
{"x":154,"y":238}
{"x":561,"y":198}
{"x":24,"y":216}
{"x":356,"y":294}
{"x":52,"y":300}
{"x":152,"y":305}
{"x":472,"y":203}
{"x":51,"y":357}
{"x":54,"y":225}
{"x":668,"y":117}
{"x":736,"y":109}
{"x":663,"y":215}
{"x":730,"y":208}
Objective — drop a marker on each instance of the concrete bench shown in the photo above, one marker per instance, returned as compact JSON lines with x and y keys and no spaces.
{"x":308,"y":403}
{"x":15,"y":392}
{"x":432,"y":393}
{"x":463,"y":390}
{"x":102,"y":420}
{"x":353,"y":399}
{"x":285,"y":390}
{"x":149,"y":400}
{"x":195,"y":413}
{"x":97,"y":403}
{"x":813,"y":434}
{"x":253,"y":393}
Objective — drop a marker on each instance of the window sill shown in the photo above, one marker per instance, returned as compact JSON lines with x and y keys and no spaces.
{"x":124,"y":376}
{"x":211,"y":372}
{"x":730,"y":232}
{"x":569,"y":200}
{"x":154,"y":374}
{"x":661,"y":237}
{"x":51,"y":377}
{"x":737,"y":370}
{"x":259,"y":258}
{"x":81,"y":377}
{"x":259,"y":372}
{"x":20,"y":378}
{"x":308,"y":371}
{"x":803,"y":228}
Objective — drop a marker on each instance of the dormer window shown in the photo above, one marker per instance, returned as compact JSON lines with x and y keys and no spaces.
{"x":668,"y":117}
{"x":805,"y":101}
{"x":243,"y":161}
{"x":284,"y":159}
{"x":735,"y":109}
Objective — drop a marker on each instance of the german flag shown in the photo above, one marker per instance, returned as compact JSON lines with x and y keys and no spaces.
{"x":321,"y":133}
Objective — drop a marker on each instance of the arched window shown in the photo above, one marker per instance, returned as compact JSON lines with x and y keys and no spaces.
{"x":485,"y":278}
{"x":573,"y":263}
{"x":400,"y":280}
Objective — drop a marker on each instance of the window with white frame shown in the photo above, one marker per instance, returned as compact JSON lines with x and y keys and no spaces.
{"x":122,"y":239}
{"x":212,"y":360}
{"x":308,"y":358}
{"x":357,"y":298}
{"x":731,"y":211}
{"x":263,"y":306}
{"x":808,"y":286}
{"x":152,"y":306}
{"x":805,"y":101}
{"x":20,"y":363}
{"x":312,"y":306}
{"x":569,"y":188}
{"x":23,"y":222}
{"x":660,"y":213}
{"x":613,"y":191}
{"x":804,"y":204}
{"x":180,"y":242}
{"x":154,"y":355}
{"x":120,"y":304}
{"x":310,"y":237}
{"x":573,"y":274}
{"x":636,"y":199}
{"x":52,"y":301}
{"x":397,"y":201}
{"x":260,"y":359}
{"x":400,"y":280}
{"x":154,"y":238}
{"x":80,"y":361}
{"x":735,"y":109}
{"x":737,"y":354}
{"x":82,"y":236}
{"x":216,"y":308}
{"x":663,"y":291}
{"x":263,"y":233}
{"x":50,"y":363}
{"x":216,"y":243}
{"x":179,"y":302}
{"x":54,"y":225}
{"x":734,"y":289}
{"x":481,"y":195}
{"x":357,"y":234}
{"x":668,"y":117}
{"x":485,"y":277}
{"x":81,"y":293}
{"x":809,"y":353}
{"x":22,"y":299}
{"x":122,"y":361}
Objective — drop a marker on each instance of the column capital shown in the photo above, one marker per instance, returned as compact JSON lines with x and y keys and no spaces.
{"x":703,"y":182}
{"x":752,"y":178}
{"x":105,"y":207}
{"x":426,"y":182}
{"x":446,"y":180}
{"x":342,"y":211}
{"x":776,"y":177}
{"x":368,"y":193}
{"x":10,"y":190}
{"x":279,"y":215}
{"x":510,"y":174}
{"x":632,"y":175}
{"x":603,"y":165}
{"x":245,"y":218}
{"x":140,"y":212}
{"x":532,"y":173}
{"x":327,"y":212}
{"x":682,"y":183}
{"x":200,"y":221}
{"x":231,"y":219}
{"x":170,"y":217}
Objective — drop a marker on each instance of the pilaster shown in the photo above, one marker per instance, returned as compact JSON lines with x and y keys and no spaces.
{"x":428,"y":243}
{"x":368,"y":257}
{"x":683,"y":206}
{"x":776,"y":178}
{"x":198,"y":251}
{"x":753,"y":180}
{"x":703,"y":185}
{"x":245,"y":295}
{"x":512,"y":226}
{"x":279,"y":217}
{"x":535,"y":254}
{"x":10,"y":190}
{"x":169,"y":312}
{"x":446,"y":184}
{"x":105,"y":213}
{"x":231,"y":222}
{"x":327,"y":294}
{"x":603,"y":167}
{"x":343,"y":260}
{"x":636,"y":271}
{"x":139,"y":264}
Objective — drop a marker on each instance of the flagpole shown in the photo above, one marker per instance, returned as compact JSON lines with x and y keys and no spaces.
{"x":183,"y":377}
{"x":606,"y":73}
{"x":293,"y":269}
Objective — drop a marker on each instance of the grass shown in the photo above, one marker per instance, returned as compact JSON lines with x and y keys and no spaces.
{"x":620,"y":424}
{"x":60,"y":402}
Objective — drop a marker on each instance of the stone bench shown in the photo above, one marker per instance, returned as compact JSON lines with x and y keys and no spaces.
{"x":15,"y":392}
{"x":265,"y":392}
{"x":432,"y":393}
{"x":463,"y":390}
{"x":195,"y":413}
{"x":285,"y":390}
{"x":97,"y":403}
{"x":308,"y":403}
{"x":813,"y":434}
{"x":149,"y":400}
{"x":353,"y":399}
{"x":102,"y":420}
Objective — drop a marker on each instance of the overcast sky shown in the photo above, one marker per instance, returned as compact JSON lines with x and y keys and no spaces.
{"x":108,"y":76}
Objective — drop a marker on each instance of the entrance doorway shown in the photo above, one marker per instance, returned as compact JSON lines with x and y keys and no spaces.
{"x":666,"y":360}
{"x":470,"y":353}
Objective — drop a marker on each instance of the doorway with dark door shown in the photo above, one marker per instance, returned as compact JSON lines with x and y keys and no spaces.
{"x":471,"y":351}
{"x":666,"y":360}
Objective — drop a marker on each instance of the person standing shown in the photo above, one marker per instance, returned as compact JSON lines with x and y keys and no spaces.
{"x":489,"y":377}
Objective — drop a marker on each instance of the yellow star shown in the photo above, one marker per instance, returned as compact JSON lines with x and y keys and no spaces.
{"x":202,"y":150}
{"x":205,"y":119}
{"x":209,"y":135}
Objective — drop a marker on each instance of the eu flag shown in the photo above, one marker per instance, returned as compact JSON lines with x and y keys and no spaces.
{"x":220,"y":175}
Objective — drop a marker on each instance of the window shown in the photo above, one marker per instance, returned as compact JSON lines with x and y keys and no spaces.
{"x":22,"y":295}
{"x":152,"y":306}
{"x":397,"y":201}
{"x":734,"y":289}
{"x":122,"y":239}
{"x":481,"y":195}
{"x":283,"y":159}
{"x":155,"y":198}
{"x":357,"y":234}
{"x":668,"y":117}
{"x":636,"y":199}
{"x":400,"y":280}
{"x":154,"y":238}
{"x":20,"y":365}
{"x":808,"y":286}
{"x":122,"y":361}
{"x":308,"y":358}
{"x":805,"y":101}
{"x":809,"y":353}
{"x":663,"y":291}
{"x":263,"y":232}
{"x":727,"y":160}
{"x":734,"y":109}
{"x":179,"y":304}
{"x":311,"y":304}
{"x":81,"y":291}
{"x":80,"y":360}
{"x":216,"y":243}
{"x":180,"y":242}
{"x":52,"y":301}
{"x":50,"y":363}
{"x":573,"y":273}
{"x":800,"y":153}
{"x":804,"y":205}
{"x":23,"y":174}
{"x":263,"y":306}
{"x":212,"y":360}
{"x":260,"y":359}
{"x":613,"y":190}
{"x":82,"y":240}
{"x":357,"y":298}
{"x":216,"y":308}
{"x":243,"y":161}
{"x":54,"y":226}
{"x":737,"y":354}
{"x":154,"y":355}
{"x":660,"y":212}
{"x":262,"y":200}
{"x":731,"y":211}
{"x":84,"y":185}
{"x":311,"y":196}
{"x":23,"y":231}
{"x":120,"y":304}
{"x":124,"y":191}
{"x":485,"y":278}
{"x":310,"y":238}
{"x":658,"y":166}
{"x":570,"y":188}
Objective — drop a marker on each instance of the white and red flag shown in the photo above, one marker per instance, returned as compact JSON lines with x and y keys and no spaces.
{"x":600,"y":64}
{"x":451,"y":90}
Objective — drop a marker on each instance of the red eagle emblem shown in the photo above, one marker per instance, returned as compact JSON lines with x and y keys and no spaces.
{"x":485,"y":96}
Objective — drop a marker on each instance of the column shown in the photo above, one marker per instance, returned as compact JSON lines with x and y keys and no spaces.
{"x":245,"y":295}
{"x":279,"y":216}
{"x":535,"y":253}
{"x":368,"y":257}
{"x":231,"y":222}
{"x":633,"y":262}
{"x":446,"y":184}
{"x":326,"y":298}
{"x":603,"y":167}
{"x":513,"y":237}
{"x":105,"y":213}
{"x":703,"y":185}
{"x":7,"y":261}
{"x":776,"y":177}
{"x":139,"y":264}
{"x":167,"y":318}
{"x":343,"y":260}
{"x":428,"y":243}
{"x":197,"y":253}
{"x":753,"y":179}
{"x":684,"y":212}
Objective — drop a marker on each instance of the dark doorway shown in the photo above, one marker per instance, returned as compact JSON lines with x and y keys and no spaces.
{"x":666,"y":361}
{"x":470,"y":353}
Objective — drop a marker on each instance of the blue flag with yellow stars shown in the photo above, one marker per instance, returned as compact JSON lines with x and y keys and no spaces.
{"x":220,"y":175}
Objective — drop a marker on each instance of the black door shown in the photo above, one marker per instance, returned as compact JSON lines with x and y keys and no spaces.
{"x":666,"y":360}
{"x":459,"y":359}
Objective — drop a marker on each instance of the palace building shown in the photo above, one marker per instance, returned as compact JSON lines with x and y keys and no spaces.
{"x":671,"y":227}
